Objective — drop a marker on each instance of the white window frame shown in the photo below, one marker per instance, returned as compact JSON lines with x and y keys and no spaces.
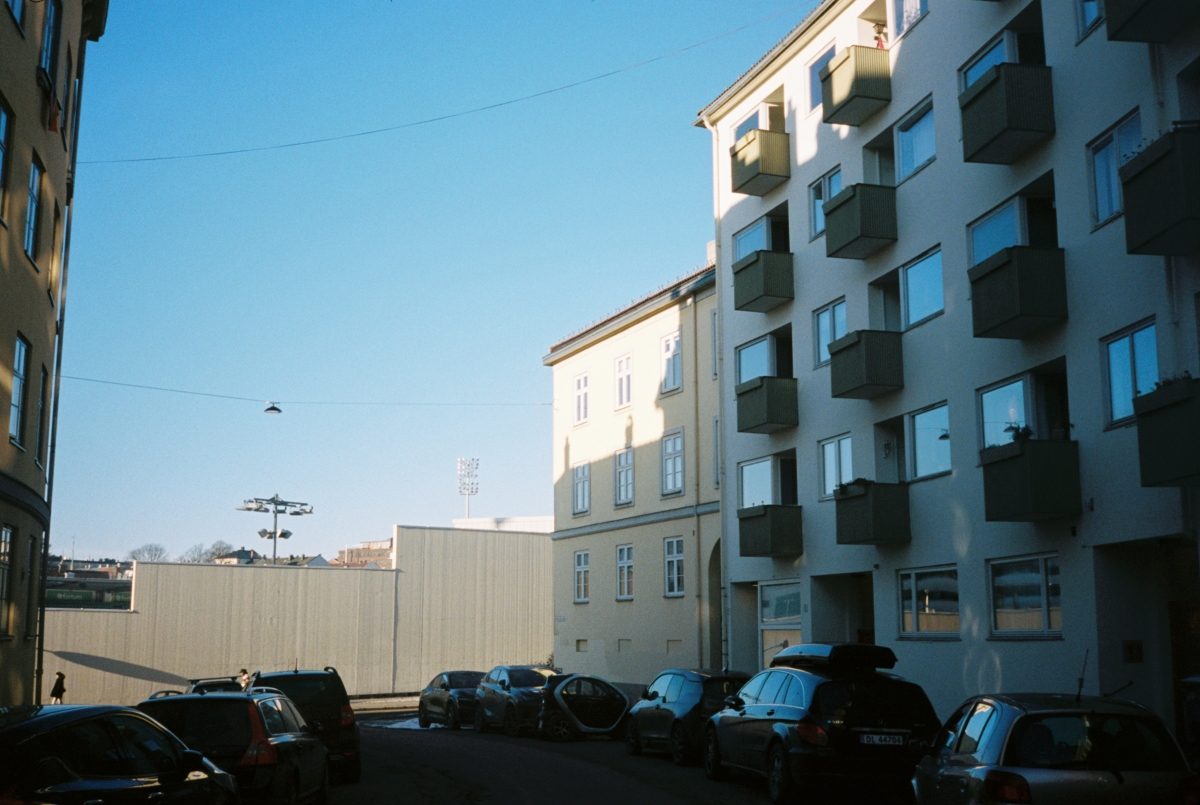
{"x":625,"y":572}
{"x":916,"y":631}
{"x":1007,"y":39}
{"x":1022,"y":225}
{"x":911,"y":436}
{"x":673,"y":567}
{"x":1027,"y":391}
{"x":1111,"y":136}
{"x":580,"y":409}
{"x":769,"y":340}
{"x":757,"y":115}
{"x":814,"y":74}
{"x":623,"y":375}
{"x":773,"y":465}
{"x":830,"y":309}
{"x":671,"y":362}
{"x":765,"y":223}
{"x":906,"y":323}
{"x":581,"y":488}
{"x":835,"y":440}
{"x":672,"y":463}
{"x":582,"y":580}
{"x":821,"y":187}
{"x":1046,"y":630}
{"x":623,"y":481}
{"x":1105,"y":343}
{"x":904,"y":125}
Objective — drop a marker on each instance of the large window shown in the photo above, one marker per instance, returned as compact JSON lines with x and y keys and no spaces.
{"x":837,"y":467}
{"x":33,"y":211}
{"x":51,"y":35}
{"x":624,"y":380}
{"x":814,"y":77}
{"x":624,"y":485}
{"x":1003,"y":411}
{"x":830,"y":325}
{"x":914,"y":142}
{"x":819,"y":192}
{"x":929,"y":601}
{"x":581,"y":577}
{"x":624,"y":572}
{"x":6,"y":542}
{"x":931,"y":441}
{"x":1108,"y":153}
{"x":781,"y":609}
{"x":1132,"y":368}
{"x":581,"y":399}
{"x":672,"y":462}
{"x":673,"y":555}
{"x":1026,"y":595}
{"x":16,"y":419}
{"x":672,"y":363}
{"x":581,"y":488}
{"x":921,"y":289}
{"x":907,"y":12}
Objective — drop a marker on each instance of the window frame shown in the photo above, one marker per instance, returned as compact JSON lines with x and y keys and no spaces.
{"x":671,"y":362}
{"x":769,"y":340}
{"x":33,"y":210}
{"x":1046,"y":631}
{"x":763,"y":222}
{"x":582,"y":576}
{"x":813,"y":68}
{"x":6,"y":127}
{"x":18,"y":408}
{"x":674,"y":585}
{"x":772,"y":464}
{"x":625,"y":572}
{"x":1111,"y":135}
{"x":821,"y":186}
{"x":581,"y":486}
{"x":1083,"y":28}
{"x":1006,"y":38}
{"x":716,"y":344}
{"x":904,"y":125}
{"x":910,"y":422}
{"x":618,"y":483}
{"x":1106,"y":364}
{"x":1028,"y":401}
{"x":905,"y":323}
{"x":789,"y":624}
{"x":834,"y":440}
{"x":579,"y":408}
{"x":623,"y":375}
{"x":679,"y":455}
{"x":757,"y":115}
{"x":916,"y":633}
{"x":48,"y":55}
{"x":18,"y":13}
{"x":1022,"y":226}
{"x":716,"y":452}
{"x":830,"y":308}
{"x":894,"y":23}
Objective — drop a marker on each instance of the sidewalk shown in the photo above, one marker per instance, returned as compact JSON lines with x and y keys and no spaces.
{"x":381,"y":704}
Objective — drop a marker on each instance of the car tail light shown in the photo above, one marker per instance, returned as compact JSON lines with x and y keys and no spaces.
{"x":1006,"y":787}
{"x":811,"y":733}
{"x":347,"y":715}
{"x":260,"y":752}
{"x":1191,"y":791}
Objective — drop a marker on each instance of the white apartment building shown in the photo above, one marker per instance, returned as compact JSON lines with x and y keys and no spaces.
{"x":956,"y":239}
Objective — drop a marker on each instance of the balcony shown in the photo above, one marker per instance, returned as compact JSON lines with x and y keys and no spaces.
{"x":1148,"y":20}
{"x":763,"y":281}
{"x":1030,"y":480}
{"x":761,"y":162}
{"x":870,"y":513}
{"x":1018,"y":291}
{"x":866,"y":363}
{"x":860,"y":221}
{"x":1007,"y":113}
{"x":1161,"y":186}
{"x":767,"y":404}
{"x":770,"y":531}
{"x":855,"y":84}
{"x":1168,"y":423}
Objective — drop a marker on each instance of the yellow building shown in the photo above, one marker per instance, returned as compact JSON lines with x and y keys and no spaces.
{"x":42,"y":47}
{"x":637,"y":568}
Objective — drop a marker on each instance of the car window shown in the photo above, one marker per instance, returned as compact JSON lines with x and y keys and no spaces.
{"x":527,"y":677}
{"x":794,"y":697}
{"x":464,"y":680}
{"x":749,"y":691}
{"x":291,"y":716}
{"x":675,"y":688}
{"x":874,"y":702}
{"x":203,"y":723}
{"x":1093,"y":741}
{"x":949,"y":734}
{"x":973,"y":732}
{"x":435,"y":682}
{"x":149,"y":749}
{"x":309,"y":689}
{"x":87,"y":749}
{"x":661,"y":684}
{"x":771,"y":687}
{"x":273,"y":715}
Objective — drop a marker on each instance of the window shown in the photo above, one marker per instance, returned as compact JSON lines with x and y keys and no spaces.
{"x":672,"y":363}
{"x":781,"y":610}
{"x":6,"y":540}
{"x":16,"y":419}
{"x":624,"y":377}
{"x":1026,"y":595}
{"x":716,"y":453}
{"x":914,"y":142}
{"x":995,"y":231}
{"x":768,"y":481}
{"x":33,"y":212}
{"x":39,"y":442}
{"x":5,"y":119}
{"x":814,"y":77}
{"x":1132,"y":369}
{"x":581,"y":577}
{"x":673,"y":552}
{"x":624,"y":484}
{"x":921,"y":289}
{"x":830,"y":324}
{"x":1032,"y":406}
{"x":581,"y":488}
{"x":51,"y":34}
{"x":821,"y":191}
{"x":581,"y":399}
{"x":1108,"y":153}
{"x":836,"y":465}
{"x":1000,"y":50}
{"x":767,"y":116}
{"x":716,"y":345}
{"x":931,"y":441}
{"x":749,"y":124}
{"x":672,"y":463}
{"x":624,"y":572}
{"x":1003,"y":411}
{"x":751,"y":239}
{"x":1088,"y":14}
{"x":929,"y":601}
{"x":907,"y":12}
{"x":16,"y":7}
{"x":755,"y":359}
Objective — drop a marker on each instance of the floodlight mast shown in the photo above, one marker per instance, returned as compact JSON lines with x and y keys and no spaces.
{"x":276,"y":506}
{"x":468,"y":480}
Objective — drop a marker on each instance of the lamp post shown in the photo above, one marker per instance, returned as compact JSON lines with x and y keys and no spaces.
{"x":276,"y":506}
{"x":468,"y":480}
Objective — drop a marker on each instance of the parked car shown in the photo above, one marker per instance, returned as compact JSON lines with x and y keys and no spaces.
{"x":675,"y":708}
{"x":1055,"y":748}
{"x":259,"y":737}
{"x":511,"y":696}
{"x":77,"y":754}
{"x":449,"y":699}
{"x":322,"y":700}
{"x":823,"y":720}
{"x":576,"y":704}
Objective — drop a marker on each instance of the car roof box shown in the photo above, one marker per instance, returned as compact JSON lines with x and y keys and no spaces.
{"x":836,"y":656}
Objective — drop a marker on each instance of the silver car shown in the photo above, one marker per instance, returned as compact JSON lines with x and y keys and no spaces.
{"x":1054,"y":749}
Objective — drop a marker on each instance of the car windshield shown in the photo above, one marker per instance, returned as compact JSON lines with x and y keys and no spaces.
{"x":203,"y":723}
{"x":878,"y":702}
{"x":1092,"y":741}
{"x":528,"y":677}
{"x":308,"y":689}
{"x":465,"y":680}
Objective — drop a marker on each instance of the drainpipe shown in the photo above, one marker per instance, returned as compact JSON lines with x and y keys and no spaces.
{"x":696,"y":483}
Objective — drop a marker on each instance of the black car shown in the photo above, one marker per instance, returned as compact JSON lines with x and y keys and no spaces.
{"x":449,"y":699}
{"x":65,"y":755}
{"x":322,"y":700}
{"x":823,"y":720}
{"x":575,"y":704}
{"x":259,"y":737}
{"x":675,"y":709}
{"x":511,"y":696}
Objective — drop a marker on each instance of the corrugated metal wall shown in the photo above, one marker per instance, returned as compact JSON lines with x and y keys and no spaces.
{"x":461,"y":599}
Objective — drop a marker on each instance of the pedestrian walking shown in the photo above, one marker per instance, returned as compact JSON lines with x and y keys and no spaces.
{"x":60,"y":687}
{"x":244,"y":679}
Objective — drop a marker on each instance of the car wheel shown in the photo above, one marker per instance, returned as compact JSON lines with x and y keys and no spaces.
{"x":452,"y":721}
{"x":558,"y":729}
{"x":713,"y":769}
{"x":422,"y":718}
{"x":681,"y":753}
{"x":480,"y":722}
{"x":512,"y":725}
{"x":633,"y":737}
{"x":780,"y":786}
{"x":352,"y":770}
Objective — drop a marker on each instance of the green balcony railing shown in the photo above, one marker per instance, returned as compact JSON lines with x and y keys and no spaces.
{"x":761,"y":160}
{"x":1031,"y":480}
{"x":860,"y":221}
{"x":1161,"y":188}
{"x":1018,"y":291}
{"x":767,"y":404}
{"x":1007,"y":113}
{"x":855,"y":84}
{"x":1168,"y":424}
{"x":763,"y":281}
{"x":770,"y":531}
{"x":866,"y":363}
{"x":1149,"y":20}
{"x":870,"y":513}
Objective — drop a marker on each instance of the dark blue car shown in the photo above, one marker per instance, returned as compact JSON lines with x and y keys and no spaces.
{"x":449,"y":699}
{"x":674,"y":710}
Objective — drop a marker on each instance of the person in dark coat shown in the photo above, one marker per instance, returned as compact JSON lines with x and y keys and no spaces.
{"x":60,"y":687}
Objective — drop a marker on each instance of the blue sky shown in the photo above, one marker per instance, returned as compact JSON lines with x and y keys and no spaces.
{"x":433,"y":264}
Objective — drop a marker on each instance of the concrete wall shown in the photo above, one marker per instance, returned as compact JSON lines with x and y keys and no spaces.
{"x":461,"y":599}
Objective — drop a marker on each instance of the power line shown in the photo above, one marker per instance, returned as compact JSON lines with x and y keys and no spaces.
{"x":451,"y":115}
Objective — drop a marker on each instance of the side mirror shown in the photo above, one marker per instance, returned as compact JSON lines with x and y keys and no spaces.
{"x":651,"y":695}
{"x":505,"y":685}
{"x":193,"y":761}
{"x":445,"y":686}
{"x":734,"y":702}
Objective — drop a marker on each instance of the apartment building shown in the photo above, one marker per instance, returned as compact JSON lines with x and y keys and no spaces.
{"x":42,"y":48}
{"x":957,"y":251}
{"x":637,"y":579}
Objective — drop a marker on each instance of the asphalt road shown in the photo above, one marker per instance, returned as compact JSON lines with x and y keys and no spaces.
{"x":437,"y":766}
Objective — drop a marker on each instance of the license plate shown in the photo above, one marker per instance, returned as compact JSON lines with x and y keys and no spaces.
{"x":881,"y":740}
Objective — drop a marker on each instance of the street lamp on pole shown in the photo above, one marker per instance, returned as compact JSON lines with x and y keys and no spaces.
{"x":275,"y":506}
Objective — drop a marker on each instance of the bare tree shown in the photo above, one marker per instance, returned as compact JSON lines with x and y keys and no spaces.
{"x":218,"y":548}
{"x":194,"y":555}
{"x":150,"y":552}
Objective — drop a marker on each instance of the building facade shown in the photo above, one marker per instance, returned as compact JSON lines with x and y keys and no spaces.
{"x":636,"y":501}
{"x":42,"y":48}
{"x":955,"y":242}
